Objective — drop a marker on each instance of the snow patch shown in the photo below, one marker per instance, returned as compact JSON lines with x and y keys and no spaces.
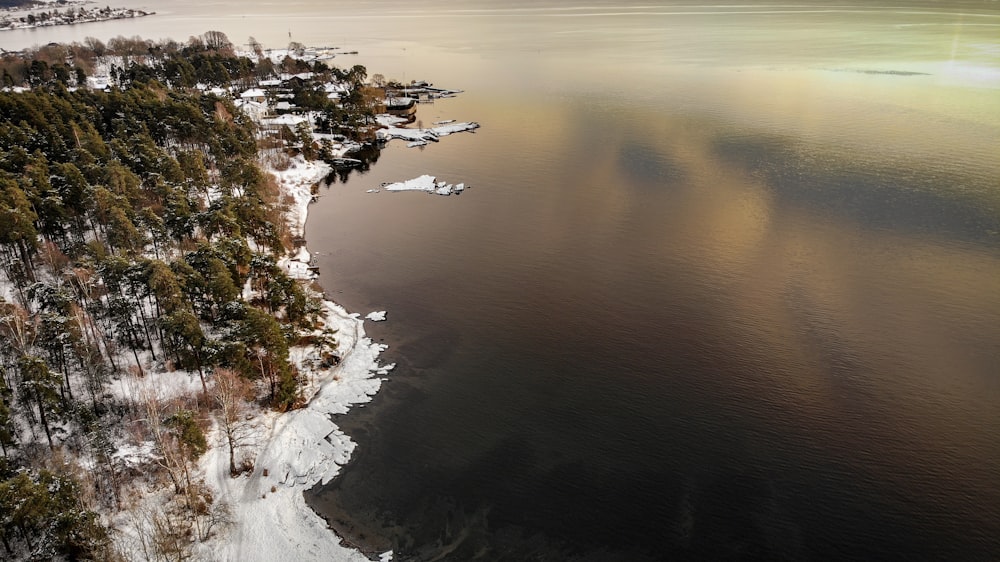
{"x":135,"y":455}
{"x":162,"y":385}
{"x":386,"y":120}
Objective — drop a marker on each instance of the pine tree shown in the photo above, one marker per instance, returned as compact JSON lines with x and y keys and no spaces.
{"x":18,"y":234}
{"x":40,"y":387}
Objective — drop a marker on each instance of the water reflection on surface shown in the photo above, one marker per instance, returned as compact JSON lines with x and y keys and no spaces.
{"x":727,"y":285}
{"x":663,"y":334}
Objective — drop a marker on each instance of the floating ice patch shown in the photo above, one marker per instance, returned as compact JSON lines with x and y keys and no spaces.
{"x":377,"y":316}
{"x":426,"y":183}
{"x":445,"y":130}
{"x":426,"y":135}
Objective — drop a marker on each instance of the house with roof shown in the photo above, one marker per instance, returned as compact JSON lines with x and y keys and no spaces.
{"x":255,"y":109}
{"x":335,"y":90}
{"x":400,"y":106}
{"x":254,"y":94}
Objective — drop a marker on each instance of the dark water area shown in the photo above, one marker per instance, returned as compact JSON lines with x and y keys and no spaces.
{"x":690,"y":342}
{"x":662,"y":335}
{"x":705,"y":313}
{"x":726,"y":285}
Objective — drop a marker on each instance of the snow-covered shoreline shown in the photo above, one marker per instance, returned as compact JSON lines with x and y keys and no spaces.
{"x":299,"y":449}
{"x":18,"y":18}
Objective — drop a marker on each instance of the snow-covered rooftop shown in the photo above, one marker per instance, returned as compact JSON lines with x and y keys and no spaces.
{"x":253,"y":93}
{"x":288,"y":119}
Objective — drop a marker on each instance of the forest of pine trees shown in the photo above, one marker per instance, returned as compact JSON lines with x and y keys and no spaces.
{"x":130,"y":222}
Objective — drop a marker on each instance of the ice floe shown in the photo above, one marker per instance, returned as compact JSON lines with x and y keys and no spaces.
{"x":433,"y":134}
{"x":427,"y":183}
{"x":376,"y":316}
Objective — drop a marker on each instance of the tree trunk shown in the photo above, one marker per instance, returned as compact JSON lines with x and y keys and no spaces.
{"x":6,"y":543}
{"x":114,"y":481}
{"x":145,"y":329}
{"x":232,"y":449}
{"x":137,"y":362}
{"x":100,"y":338}
{"x":65,"y":371}
{"x":45,"y":423}
{"x":29,"y":266}
{"x":201,"y":373}
{"x":26,"y":536}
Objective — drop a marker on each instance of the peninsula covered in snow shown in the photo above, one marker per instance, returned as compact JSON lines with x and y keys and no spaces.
{"x":167,"y":359}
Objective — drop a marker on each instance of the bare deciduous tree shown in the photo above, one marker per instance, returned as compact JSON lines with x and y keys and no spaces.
{"x":255,"y":46}
{"x":216,"y":40}
{"x":231,"y":392}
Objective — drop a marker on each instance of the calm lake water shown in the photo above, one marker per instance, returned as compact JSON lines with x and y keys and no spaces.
{"x":726,"y":286}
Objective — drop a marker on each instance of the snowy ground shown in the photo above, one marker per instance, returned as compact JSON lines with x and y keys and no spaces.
{"x":296,"y":184}
{"x":268,"y":518}
{"x":298,"y":449}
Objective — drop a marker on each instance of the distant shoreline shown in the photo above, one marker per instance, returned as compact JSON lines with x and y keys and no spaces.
{"x":69,"y":16}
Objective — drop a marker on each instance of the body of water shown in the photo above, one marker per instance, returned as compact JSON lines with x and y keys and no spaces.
{"x":726,"y":285}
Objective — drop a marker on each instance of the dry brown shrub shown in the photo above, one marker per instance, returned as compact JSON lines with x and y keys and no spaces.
{"x":53,"y":257}
{"x":270,"y":187}
{"x":246,"y":464}
{"x":279,"y":161}
{"x":222,"y":114}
